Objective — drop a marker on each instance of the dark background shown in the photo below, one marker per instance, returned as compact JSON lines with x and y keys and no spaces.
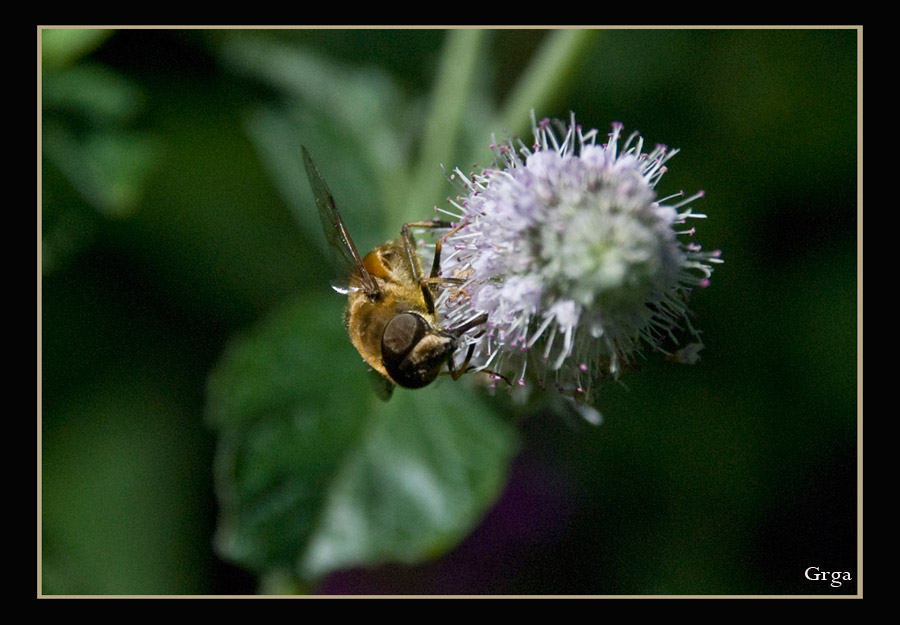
{"x":728,"y":477}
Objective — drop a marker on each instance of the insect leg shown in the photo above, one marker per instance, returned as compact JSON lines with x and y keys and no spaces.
{"x":438,"y":246}
{"x":464,"y":368}
{"x":468,"y":325}
{"x":455,"y":373}
{"x":433,"y":277}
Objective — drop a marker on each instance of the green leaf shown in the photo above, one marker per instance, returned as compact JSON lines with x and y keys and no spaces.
{"x":90,"y":134}
{"x":64,"y":46}
{"x":110,"y":169}
{"x":315,"y":474}
{"x":332,"y":100}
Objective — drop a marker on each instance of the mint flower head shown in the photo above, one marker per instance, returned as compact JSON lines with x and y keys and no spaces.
{"x":573,"y":257}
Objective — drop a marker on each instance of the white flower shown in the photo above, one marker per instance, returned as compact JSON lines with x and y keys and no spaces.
{"x":576,"y":262}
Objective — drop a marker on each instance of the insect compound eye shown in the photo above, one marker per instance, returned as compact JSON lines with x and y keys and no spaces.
{"x":400,"y":335}
{"x":412,"y":352}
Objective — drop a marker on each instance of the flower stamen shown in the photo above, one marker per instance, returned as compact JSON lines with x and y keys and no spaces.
{"x":575,"y":261}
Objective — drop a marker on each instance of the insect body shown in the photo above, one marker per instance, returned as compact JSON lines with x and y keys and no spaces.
{"x":390,"y":312}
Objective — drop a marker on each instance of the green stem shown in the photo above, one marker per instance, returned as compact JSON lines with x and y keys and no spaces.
{"x":545,"y":80}
{"x":450,"y":99}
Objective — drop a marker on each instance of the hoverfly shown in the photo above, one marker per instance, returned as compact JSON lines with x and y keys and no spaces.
{"x":390,"y":314}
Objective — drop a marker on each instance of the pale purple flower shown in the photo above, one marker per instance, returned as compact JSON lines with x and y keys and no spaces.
{"x":576,"y":261}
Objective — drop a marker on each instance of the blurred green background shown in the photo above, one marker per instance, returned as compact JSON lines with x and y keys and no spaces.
{"x":175,"y":216}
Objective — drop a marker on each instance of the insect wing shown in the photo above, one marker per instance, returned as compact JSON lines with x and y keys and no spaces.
{"x":335,"y":231}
